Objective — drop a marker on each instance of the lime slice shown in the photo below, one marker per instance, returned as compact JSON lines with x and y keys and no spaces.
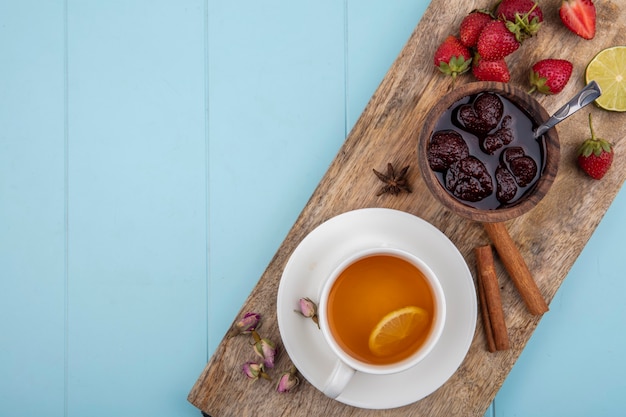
{"x":398,"y":330}
{"x":608,"y":69}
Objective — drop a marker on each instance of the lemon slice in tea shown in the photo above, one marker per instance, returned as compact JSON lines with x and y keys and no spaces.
{"x":608,"y":69}
{"x":398,"y":330}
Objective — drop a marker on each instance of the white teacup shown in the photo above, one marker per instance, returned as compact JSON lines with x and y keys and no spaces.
{"x":347,"y":362}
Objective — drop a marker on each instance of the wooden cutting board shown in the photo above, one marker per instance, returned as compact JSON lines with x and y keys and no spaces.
{"x":550,"y":237}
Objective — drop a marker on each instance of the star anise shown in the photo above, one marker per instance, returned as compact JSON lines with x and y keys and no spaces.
{"x":394,"y":184}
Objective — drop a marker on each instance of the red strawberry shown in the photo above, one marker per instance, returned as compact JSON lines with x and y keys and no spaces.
{"x":496,"y":41}
{"x":452,"y":57}
{"x":549,"y":76}
{"x":472,"y":25}
{"x":485,"y":70}
{"x":579,"y":16}
{"x":595,"y":155}
{"x":523,"y":17}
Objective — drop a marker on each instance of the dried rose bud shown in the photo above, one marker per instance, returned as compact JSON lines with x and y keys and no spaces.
{"x":288,"y":381}
{"x":309,"y":310}
{"x":264,"y":348}
{"x":307,"y":307}
{"x":247,"y":324}
{"x":254,"y":370}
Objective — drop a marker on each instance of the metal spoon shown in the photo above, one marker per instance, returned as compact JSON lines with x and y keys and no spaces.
{"x":585,"y":96}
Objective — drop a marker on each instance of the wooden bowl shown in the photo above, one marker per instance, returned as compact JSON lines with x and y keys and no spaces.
{"x":547,"y":168}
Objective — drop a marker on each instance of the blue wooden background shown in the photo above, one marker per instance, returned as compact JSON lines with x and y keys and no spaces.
{"x":153,"y":156}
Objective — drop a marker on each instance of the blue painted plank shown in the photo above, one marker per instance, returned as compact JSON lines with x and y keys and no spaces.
{"x":574,"y":363}
{"x":162,"y":96}
{"x":137,"y":206}
{"x":377,"y":30}
{"x":276,"y":120}
{"x":32,"y":207}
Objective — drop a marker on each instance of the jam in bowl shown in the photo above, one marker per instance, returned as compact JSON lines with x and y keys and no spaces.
{"x":478,"y":154}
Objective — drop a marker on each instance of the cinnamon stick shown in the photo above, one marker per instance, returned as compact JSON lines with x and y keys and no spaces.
{"x":491,"y":344}
{"x":488,"y":282}
{"x":516,"y":267}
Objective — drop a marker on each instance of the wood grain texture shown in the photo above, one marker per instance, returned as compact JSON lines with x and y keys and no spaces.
{"x":550,"y":237}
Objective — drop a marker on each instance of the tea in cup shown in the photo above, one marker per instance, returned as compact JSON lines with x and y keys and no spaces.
{"x":381,"y":311}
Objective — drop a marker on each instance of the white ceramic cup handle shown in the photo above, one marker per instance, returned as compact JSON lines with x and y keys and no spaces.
{"x":338,"y":379}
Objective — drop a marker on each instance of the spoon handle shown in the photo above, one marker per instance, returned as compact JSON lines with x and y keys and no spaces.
{"x":585,"y":96}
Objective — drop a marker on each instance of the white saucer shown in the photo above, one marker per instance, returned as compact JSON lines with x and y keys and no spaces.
{"x":326,"y":246}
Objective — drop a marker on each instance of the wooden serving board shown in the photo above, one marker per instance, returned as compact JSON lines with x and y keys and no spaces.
{"x":550,"y":237}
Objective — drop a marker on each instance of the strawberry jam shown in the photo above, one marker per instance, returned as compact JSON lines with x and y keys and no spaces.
{"x":484,"y":153}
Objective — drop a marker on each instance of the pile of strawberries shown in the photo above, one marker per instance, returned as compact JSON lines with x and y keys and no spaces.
{"x":487,"y":37}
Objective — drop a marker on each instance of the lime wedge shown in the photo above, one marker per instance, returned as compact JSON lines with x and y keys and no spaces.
{"x":608,"y":69}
